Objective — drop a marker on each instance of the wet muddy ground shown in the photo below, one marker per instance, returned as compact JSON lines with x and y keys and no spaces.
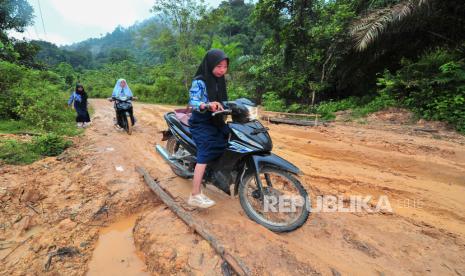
{"x":88,"y":210}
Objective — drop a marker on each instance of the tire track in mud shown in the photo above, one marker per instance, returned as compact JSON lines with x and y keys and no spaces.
{"x":370,"y":165}
{"x":360,"y":170}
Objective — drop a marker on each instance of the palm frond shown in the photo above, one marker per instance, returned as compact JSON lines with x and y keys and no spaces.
{"x":366,"y":30}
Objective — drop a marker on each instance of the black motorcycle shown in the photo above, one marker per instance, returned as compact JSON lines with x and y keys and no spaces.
{"x":263,"y":180}
{"x":124,"y":116}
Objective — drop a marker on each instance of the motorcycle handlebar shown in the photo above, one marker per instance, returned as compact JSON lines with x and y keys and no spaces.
{"x":226,"y":112}
{"x":115,"y":98}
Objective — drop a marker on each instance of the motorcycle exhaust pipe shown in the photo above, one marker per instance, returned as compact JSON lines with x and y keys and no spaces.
{"x":162,"y":151}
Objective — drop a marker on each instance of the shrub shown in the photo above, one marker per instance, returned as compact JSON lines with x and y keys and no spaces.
{"x":327,"y":109}
{"x":170,"y":91}
{"x":433,"y":87}
{"x":50,"y":144}
{"x":19,"y":152}
{"x":382,"y":101}
{"x":34,"y":97}
{"x":15,"y":152}
{"x":272,"y":102}
{"x":236,"y":91}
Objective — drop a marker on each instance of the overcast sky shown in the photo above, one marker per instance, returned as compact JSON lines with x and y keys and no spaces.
{"x":69,"y":21}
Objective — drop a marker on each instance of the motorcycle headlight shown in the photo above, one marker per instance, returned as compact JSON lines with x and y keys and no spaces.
{"x":253,"y":112}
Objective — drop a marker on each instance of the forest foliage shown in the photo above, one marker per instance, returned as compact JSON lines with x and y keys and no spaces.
{"x":288,"y":55}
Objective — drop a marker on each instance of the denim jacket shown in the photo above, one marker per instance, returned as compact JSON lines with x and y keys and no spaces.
{"x":198,"y":95}
{"x":75,"y":97}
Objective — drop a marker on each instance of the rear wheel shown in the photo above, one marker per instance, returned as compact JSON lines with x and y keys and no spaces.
{"x":176,"y":150}
{"x":283,"y":204}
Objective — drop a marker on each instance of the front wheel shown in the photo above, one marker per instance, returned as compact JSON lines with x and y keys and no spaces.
{"x":281,"y":206}
{"x":126,"y":122}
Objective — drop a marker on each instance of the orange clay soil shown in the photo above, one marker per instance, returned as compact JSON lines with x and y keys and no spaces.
{"x":76,"y":200}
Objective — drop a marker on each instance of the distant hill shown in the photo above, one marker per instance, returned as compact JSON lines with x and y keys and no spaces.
{"x":121,"y":44}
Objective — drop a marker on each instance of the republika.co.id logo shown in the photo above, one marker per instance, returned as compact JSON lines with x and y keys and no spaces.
{"x":328,"y":204}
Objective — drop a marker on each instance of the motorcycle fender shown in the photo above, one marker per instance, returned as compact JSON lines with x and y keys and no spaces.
{"x":273,"y":160}
{"x":166,"y":134}
{"x":255,"y":162}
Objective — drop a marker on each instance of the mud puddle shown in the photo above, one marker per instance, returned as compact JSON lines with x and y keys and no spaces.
{"x":115,"y":253}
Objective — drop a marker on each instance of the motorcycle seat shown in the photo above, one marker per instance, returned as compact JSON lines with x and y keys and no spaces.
{"x":186,"y":129}
{"x":180,"y":124}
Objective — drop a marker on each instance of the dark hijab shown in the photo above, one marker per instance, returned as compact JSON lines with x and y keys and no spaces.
{"x":82,"y":92}
{"x":216,"y":87}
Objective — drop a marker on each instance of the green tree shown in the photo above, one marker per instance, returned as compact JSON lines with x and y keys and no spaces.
{"x":119,"y":55}
{"x":14,"y":15}
{"x":66,"y":71}
{"x":27,"y":54}
{"x":305,"y":47}
{"x":183,"y":16}
{"x":423,"y":19}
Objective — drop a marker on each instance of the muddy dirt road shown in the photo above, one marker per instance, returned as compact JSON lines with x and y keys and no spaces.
{"x":59,"y":215}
